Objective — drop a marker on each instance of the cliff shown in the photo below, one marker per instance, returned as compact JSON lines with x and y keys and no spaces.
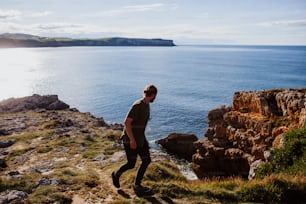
{"x":239,"y":137}
{"x":51,"y":153}
{"x":24,"y":40}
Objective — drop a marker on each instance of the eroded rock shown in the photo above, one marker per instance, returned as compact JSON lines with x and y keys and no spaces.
{"x":239,"y":136}
{"x":179,"y":144}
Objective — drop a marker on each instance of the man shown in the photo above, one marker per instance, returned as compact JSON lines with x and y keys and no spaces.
{"x":134,"y":140}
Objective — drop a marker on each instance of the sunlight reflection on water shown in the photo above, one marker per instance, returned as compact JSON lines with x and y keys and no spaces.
{"x":19,"y":68}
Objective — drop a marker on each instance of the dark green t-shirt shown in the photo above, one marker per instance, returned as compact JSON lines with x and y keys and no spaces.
{"x":140,"y":112}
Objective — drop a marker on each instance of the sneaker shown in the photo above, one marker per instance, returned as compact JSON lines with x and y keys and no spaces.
{"x":115,"y":180}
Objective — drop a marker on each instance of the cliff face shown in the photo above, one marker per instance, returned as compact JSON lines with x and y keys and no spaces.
{"x":241,"y":135}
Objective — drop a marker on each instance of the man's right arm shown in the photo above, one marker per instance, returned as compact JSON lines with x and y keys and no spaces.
{"x":128,"y":127}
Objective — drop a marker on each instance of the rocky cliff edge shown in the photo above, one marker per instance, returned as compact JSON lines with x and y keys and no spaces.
{"x":239,"y":137}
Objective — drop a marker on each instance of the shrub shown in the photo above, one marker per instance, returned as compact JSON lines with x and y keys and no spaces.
{"x":264,"y":170}
{"x":291,"y":158}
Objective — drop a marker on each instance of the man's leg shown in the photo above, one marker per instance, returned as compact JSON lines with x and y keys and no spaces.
{"x":131,"y":156}
{"x":144,"y":154}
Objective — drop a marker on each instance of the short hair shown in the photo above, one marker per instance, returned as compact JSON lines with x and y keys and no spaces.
{"x":149,"y":90}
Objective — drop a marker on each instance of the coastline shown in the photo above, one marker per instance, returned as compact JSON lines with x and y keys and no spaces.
{"x":46,"y":145}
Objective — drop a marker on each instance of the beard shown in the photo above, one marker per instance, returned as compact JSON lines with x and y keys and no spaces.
{"x":152,"y":100}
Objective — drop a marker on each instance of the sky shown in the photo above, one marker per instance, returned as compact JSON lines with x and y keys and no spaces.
{"x":235,"y":22}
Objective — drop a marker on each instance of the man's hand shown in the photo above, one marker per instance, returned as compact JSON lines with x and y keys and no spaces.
{"x":133,"y":145}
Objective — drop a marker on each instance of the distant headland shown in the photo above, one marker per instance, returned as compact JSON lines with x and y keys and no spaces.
{"x":9,"y":40}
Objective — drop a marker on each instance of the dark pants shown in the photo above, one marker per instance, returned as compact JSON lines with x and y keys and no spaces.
{"x":131,"y":156}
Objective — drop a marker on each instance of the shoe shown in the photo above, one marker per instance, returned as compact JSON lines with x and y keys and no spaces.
{"x":115,"y":180}
{"x":142,"y":189}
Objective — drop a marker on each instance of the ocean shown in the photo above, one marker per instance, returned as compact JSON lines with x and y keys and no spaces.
{"x":191,"y":80}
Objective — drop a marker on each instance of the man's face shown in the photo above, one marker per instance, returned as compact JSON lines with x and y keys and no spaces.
{"x":153,"y":98}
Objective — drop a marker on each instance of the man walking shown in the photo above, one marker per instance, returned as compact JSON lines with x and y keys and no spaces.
{"x":134,"y":140}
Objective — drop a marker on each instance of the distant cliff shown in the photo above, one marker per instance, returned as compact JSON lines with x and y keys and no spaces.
{"x":24,"y":40}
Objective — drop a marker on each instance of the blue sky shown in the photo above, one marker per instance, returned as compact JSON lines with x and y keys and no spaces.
{"x":247,"y":22}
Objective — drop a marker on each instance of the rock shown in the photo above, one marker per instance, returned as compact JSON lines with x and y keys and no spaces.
{"x":3,"y":132}
{"x":12,"y":195}
{"x":253,"y":167}
{"x":2,"y":162}
{"x":13,"y":173}
{"x":179,"y":144}
{"x":245,"y":132}
{"x":48,"y":102}
{"x":220,"y":164}
{"x":6,"y":143}
{"x":45,"y":182}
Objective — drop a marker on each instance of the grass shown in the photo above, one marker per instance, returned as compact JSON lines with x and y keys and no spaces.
{"x":282,"y":180}
{"x":290,"y":158}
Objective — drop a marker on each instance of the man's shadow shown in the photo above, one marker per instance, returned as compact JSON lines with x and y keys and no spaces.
{"x":152,"y":199}
{"x":123,"y":194}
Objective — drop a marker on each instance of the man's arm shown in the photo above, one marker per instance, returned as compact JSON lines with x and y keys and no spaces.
{"x":128,"y":127}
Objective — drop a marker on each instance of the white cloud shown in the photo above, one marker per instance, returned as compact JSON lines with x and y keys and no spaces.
{"x":142,"y":8}
{"x":9,"y":14}
{"x":301,"y":22}
{"x":15,"y":14}
{"x":85,"y":30}
{"x":137,"y":8}
{"x":40,"y":14}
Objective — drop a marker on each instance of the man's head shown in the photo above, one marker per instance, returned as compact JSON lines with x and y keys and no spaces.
{"x":150,"y":91}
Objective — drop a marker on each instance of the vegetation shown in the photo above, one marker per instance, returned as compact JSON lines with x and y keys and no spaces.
{"x":53,"y":168}
{"x":25,"y":40}
{"x":289,"y":159}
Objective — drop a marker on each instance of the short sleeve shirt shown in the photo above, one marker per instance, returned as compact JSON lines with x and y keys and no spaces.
{"x":140,"y":112}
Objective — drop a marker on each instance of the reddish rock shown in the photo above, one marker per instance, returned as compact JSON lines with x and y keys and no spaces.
{"x":239,"y":135}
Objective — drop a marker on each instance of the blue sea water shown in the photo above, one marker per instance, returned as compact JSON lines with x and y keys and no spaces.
{"x":191,"y":79}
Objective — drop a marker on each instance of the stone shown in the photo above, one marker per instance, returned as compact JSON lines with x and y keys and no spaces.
{"x":12,"y":195}
{"x":253,"y":167}
{"x":179,"y":144}
{"x":48,"y":102}
{"x":6,"y":143}
{"x":2,"y":162}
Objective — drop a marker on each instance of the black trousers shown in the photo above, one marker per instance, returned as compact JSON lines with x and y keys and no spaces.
{"x":131,"y":156}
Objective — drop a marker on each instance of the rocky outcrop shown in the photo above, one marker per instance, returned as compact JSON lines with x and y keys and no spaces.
{"x":10,"y":196}
{"x":241,"y":135}
{"x":48,"y":102}
{"x":179,"y":144}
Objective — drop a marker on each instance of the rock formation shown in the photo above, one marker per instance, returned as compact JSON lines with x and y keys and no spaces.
{"x":49,"y":102}
{"x":241,"y":135}
{"x":179,"y":144}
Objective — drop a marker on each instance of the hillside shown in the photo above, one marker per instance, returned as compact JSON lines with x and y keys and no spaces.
{"x":51,"y":153}
{"x":25,"y":40}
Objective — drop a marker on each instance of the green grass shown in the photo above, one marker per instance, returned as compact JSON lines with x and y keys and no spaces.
{"x":49,"y":194}
{"x":290,"y":158}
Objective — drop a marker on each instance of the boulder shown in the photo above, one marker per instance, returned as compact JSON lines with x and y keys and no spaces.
{"x":179,"y":144}
{"x":48,"y":102}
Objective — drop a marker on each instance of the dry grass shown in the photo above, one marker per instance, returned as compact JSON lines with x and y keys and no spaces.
{"x":71,"y":161}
